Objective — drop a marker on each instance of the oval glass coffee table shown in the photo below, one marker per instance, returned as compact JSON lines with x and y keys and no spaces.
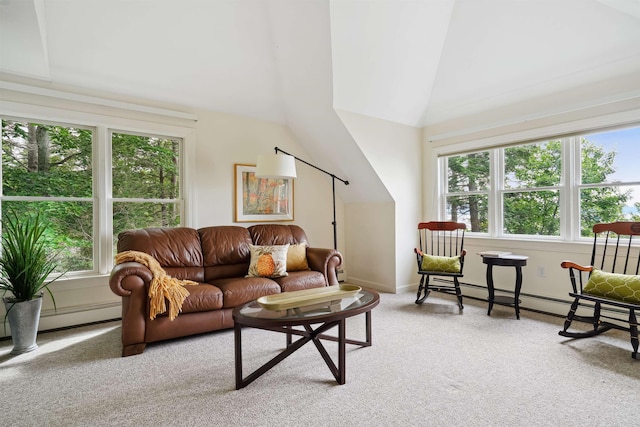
{"x":314,"y":322}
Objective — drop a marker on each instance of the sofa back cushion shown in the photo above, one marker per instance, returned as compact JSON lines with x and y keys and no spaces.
{"x":178,"y":249}
{"x":225,"y":251}
{"x":277,"y":234}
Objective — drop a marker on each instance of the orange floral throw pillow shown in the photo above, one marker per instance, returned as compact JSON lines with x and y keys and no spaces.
{"x":268,"y":261}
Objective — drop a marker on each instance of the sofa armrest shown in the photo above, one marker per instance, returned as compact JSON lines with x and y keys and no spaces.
{"x":326,"y":261}
{"x":122,"y":285}
{"x":131,"y":281}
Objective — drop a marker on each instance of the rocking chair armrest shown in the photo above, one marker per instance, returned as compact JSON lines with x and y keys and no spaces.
{"x":571,"y":264}
{"x":573,"y":267}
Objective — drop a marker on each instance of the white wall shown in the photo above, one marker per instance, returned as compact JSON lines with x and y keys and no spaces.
{"x":225,"y":140}
{"x":394,"y":152}
{"x":214,"y":143}
{"x":371,"y":250}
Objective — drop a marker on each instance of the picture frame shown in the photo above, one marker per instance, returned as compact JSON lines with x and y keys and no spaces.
{"x":261,"y":199}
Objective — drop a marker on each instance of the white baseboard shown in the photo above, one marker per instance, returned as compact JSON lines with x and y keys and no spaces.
{"x":380,"y":287}
{"x":63,"y":318}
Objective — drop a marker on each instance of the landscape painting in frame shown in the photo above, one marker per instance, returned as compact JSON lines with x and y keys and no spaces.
{"x":262,"y":199}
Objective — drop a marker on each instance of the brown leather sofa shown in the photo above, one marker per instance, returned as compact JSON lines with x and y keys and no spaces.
{"x":218,"y":259}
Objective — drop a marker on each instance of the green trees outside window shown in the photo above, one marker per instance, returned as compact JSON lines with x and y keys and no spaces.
{"x":47,"y":169}
{"x":50,"y":169}
{"x":145,"y":182}
{"x":527,"y":187}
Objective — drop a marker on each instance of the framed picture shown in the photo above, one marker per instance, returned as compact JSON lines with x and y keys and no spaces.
{"x":262,"y":199}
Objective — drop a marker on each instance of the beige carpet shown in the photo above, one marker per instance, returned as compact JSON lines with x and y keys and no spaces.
{"x":429,"y":365}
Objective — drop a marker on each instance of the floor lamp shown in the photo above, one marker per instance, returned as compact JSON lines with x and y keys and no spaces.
{"x":274,"y":166}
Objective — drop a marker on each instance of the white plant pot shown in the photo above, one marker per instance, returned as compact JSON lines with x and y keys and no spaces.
{"x":24,"y":318}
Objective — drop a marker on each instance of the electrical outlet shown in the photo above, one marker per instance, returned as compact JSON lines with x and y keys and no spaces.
{"x":540,"y":271}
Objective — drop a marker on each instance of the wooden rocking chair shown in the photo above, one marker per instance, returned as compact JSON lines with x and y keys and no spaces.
{"x":611,"y":280}
{"x":441,"y":253}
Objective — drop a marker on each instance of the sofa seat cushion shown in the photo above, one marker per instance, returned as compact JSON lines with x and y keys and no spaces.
{"x":298,"y":280}
{"x":239,"y":290}
{"x":202,"y":297}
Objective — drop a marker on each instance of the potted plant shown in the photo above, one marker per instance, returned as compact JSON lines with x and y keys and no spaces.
{"x":25,"y":264}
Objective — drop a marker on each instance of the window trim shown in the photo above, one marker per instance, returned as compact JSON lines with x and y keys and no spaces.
{"x":570,"y":182}
{"x":102,"y":124}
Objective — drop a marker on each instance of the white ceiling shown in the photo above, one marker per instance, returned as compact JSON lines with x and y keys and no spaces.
{"x":415,"y":62}
{"x":412,"y":62}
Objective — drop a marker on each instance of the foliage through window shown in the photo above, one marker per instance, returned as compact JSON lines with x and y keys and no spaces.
{"x":609,"y":180}
{"x":531,"y":191}
{"x":526,"y":185}
{"x":468,"y":190}
{"x":49,"y":168}
{"x":145,"y":181}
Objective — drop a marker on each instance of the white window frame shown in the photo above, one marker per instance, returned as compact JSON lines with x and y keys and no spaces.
{"x":569,"y":187}
{"x":101,"y":166}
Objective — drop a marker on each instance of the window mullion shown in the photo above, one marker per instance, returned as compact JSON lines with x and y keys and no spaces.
{"x":102,"y":191}
{"x":569,"y":193}
{"x":442,"y":188}
{"x":496,"y":170}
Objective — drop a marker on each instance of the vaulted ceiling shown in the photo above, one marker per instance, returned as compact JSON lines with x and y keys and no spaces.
{"x":414,"y":62}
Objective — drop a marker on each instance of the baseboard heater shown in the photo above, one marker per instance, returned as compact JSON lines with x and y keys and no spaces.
{"x":539,"y":297}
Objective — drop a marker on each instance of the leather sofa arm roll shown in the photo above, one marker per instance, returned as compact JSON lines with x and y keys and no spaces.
{"x":131,"y":281}
{"x":125,"y":288}
{"x":326,"y":261}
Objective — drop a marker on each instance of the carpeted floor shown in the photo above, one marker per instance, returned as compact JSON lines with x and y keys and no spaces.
{"x":429,"y":365}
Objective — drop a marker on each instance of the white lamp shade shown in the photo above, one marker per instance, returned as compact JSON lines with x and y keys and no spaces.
{"x":276,"y":166}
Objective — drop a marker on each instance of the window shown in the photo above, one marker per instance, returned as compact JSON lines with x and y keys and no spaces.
{"x":46,"y":168}
{"x":467,"y":193}
{"x":145,"y":182}
{"x":49,"y":168}
{"x":529,"y":189}
{"x":609,"y":182}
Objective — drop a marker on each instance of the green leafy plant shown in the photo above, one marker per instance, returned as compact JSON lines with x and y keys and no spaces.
{"x":25,"y":262}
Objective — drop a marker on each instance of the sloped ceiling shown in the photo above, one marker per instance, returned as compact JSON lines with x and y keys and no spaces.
{"x":414,"y":62}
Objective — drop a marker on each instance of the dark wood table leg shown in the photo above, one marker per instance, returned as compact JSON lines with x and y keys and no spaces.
{"x":342,"y":352}
{"x":517,"y":291}
{"x":243,"y":382}
{"x":311,"y":335}
{"x":633,"y":329}
{"x":316,"y":337}
{"x":237,"y":338}
{"x":368,"y":341}
{"x":490,"y":287}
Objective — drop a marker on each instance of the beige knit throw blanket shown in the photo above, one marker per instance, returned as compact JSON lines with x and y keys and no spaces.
{"x":162,"y":287}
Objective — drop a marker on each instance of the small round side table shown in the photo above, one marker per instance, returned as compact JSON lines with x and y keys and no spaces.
{"x":517,"y":261}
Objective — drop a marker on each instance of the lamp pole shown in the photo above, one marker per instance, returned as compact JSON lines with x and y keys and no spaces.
{"x":333,"y":188}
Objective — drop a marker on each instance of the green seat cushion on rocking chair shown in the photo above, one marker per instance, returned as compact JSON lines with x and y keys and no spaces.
{"x":440,"y":264}
{"x":621,"y":287}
